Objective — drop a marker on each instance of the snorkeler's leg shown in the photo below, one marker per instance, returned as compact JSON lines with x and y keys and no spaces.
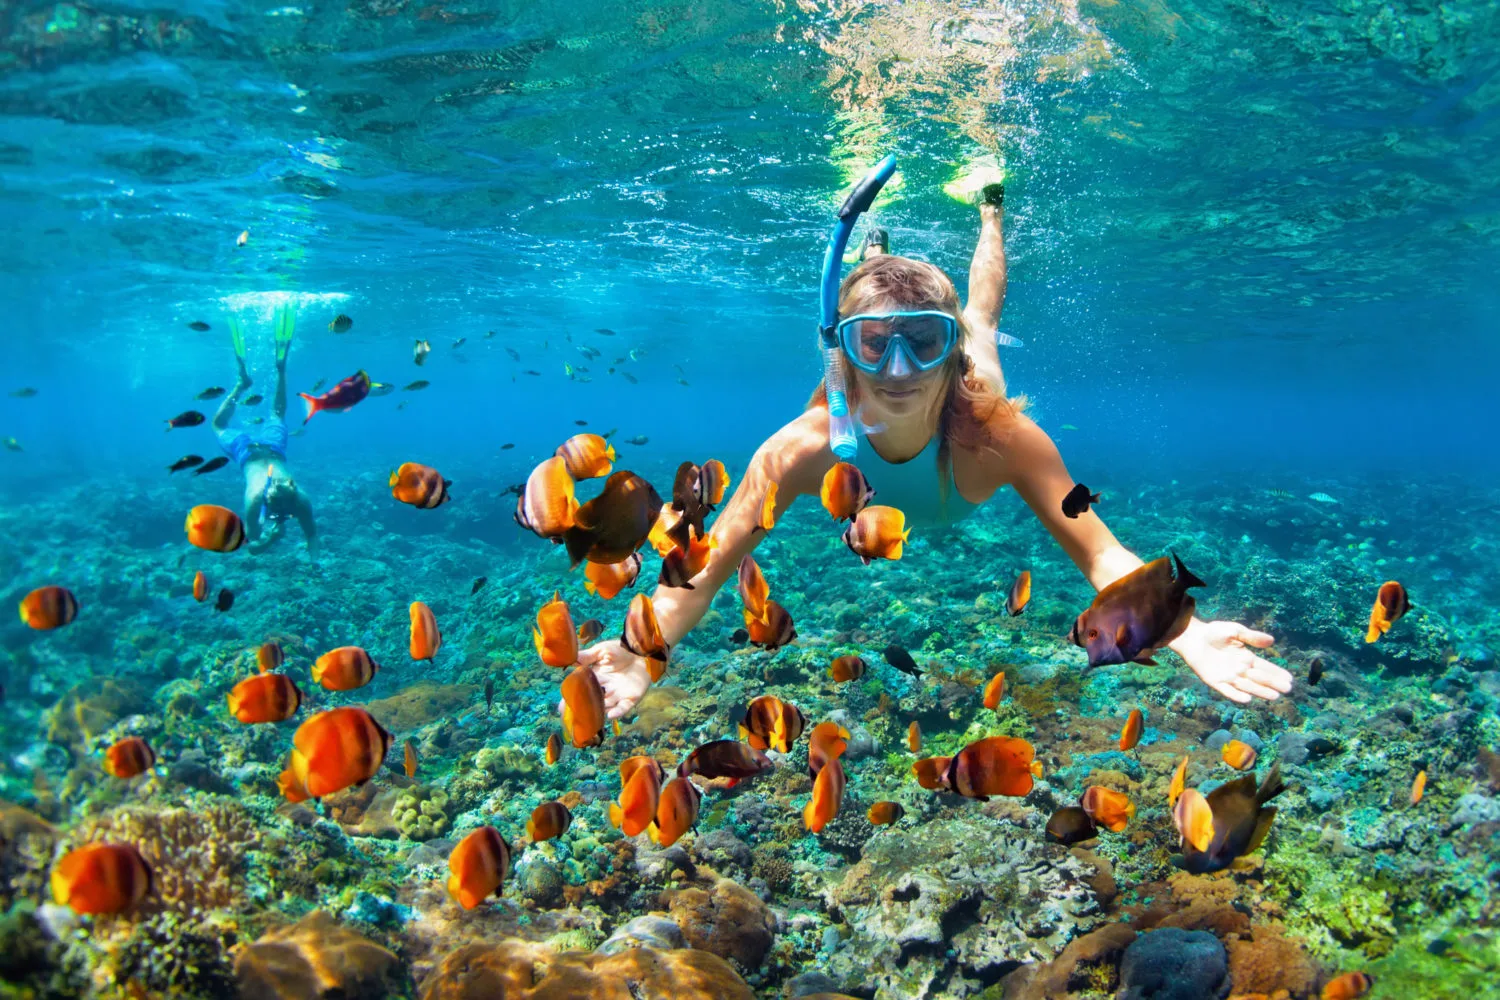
{"x":225,"y":413}
{"x":987,"y":290}
{"x":285,"y":325}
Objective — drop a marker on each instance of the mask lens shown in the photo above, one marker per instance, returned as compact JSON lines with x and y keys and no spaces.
{"x":926,"y":336}
{"x":871,"y":338}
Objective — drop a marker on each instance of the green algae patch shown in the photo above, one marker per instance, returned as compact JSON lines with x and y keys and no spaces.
{"x":420,"y":704}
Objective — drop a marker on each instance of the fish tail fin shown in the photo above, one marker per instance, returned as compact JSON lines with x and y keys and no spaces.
{"x":578,"y":542}
{"x":1262,"y":827}
{"x":1272,"y":786}
{"x":616,"y":815}
{"x":654,"y":832}
{"x":312,"y":406}
{"x":1185,"y":577}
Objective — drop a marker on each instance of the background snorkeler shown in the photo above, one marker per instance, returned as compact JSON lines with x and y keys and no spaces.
{"x":941,"y":437}
{"x":271,"y":494}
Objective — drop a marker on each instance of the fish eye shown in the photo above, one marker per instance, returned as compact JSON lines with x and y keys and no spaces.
{"x":1093,"y":633}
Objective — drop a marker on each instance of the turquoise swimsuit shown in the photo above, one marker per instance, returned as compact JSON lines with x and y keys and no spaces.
{"x":913,"y":486}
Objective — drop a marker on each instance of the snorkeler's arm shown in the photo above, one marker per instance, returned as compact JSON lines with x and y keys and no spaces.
{"x":304,"y":515}
{"x":253,"y":524}
{"x":986,"y":296}
{"x":795,"y":458}
{"x":1219,"y":651}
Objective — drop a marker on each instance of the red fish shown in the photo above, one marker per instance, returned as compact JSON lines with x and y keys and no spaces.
{"x":341,"y":397}
{"x":215,"y":528}
{"x":420,"y":486}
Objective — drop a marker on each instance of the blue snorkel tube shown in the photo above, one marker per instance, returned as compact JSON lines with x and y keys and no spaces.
{"x":840,"y":422}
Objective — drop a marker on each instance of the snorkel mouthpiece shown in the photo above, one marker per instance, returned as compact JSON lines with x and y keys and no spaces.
{"x":841,"y":437}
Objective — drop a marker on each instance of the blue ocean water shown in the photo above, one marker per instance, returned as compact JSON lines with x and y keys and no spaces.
{"x":1251,"y":252}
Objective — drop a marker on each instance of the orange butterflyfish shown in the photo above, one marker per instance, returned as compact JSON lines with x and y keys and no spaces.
{"x":662,"y":530}
{"x":409,"y":759}
{"x":847,"y":668}
{"x":215,"y":528}
{"x":754,"y":591}
{"x":1349,"y":986}
{"x":265,"y":698}
{"x":1020,"y":594}
{"x":1391,"y":603}
{"x":1418,"y":786}
{"x":641,"y":780}
{"x":583,"y":707}
{"x":885,"y":813}
{"x":713,"y":480}
{"x":995,"y":765}
{"x":642,"y":635}
{"x":547,"y":505}
{"x":47,"y":608}
{"x":776,"y":631}
{"x":1107,"y":807}
{"x":344,"y":668}
{"x":1179,"y":782}
{"x":336,"y":749}
{"x":772,"y":724}
{"x":994,"y":691}
{"x":290,"y":788}
{"x":129,"y":757}
{"x":589,"y":630}
{"x":420,"y":486}
{"x":426,"y":640}
{"x":932,"y":772}
{"x":766,"y":519}
{"x":101,"y":878}
{"x":827,"y":741}
{"x":676,"y":812}
{"x":605,"y":580}
{"x":877,"y":533}
{"x":845,"y":491}
{"x":1194,"y":819}
{"x":548,"y":820}
{"x":827,"y":796}
{"x":200,"y":587}
{"x":554,"y":634}
{"x":1135,"y":724}
{"x":587,"y":456}
{"x":678,"y":567}
{"x":1238,"y":755}
{"x":554,"y":749}
{"x":914,"y":737}
{"x":479,"y":864}
{"x":269,"y":656}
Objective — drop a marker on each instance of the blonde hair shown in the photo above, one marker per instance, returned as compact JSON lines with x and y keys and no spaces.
{"x":970,"y":410}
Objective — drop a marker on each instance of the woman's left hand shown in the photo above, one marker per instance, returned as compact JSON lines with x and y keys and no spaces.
{"x":1219,"y":653}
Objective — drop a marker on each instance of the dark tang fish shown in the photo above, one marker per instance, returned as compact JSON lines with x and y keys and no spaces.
{"x":685,"y":501}
{"x":188,"y":418}
{"x":212,"y":465}
{"x":610,"y":527}
{"x":1070,"y":825}
{"x":1077,"y":501}
{"x":1137,"y":614}
{"x":185,"y":462}
{"x":1241,"y":821}
{"x":725,"y":759}
{"x":901,"y":660}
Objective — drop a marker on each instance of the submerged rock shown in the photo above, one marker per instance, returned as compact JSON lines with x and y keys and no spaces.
{"x":313,"y":959}
{"x":727,"y":920}
{"x":1174,"y":964}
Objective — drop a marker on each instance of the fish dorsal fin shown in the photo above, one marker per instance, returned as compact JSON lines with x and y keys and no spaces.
{"x":1262,"y":827}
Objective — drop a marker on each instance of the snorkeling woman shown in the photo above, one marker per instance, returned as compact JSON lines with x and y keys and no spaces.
{"x":271,"y":494}
{"x":936,"y":438}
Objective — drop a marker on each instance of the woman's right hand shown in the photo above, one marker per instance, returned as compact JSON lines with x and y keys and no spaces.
{"x":621,"y":673}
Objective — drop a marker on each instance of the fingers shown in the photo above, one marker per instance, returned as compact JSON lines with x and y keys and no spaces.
{"x":589,"y":657}
{"x":1250,"y":637}
{"x":1257,"y":689}
{"x":1232,"y":693}
{"x":1272,"y":676}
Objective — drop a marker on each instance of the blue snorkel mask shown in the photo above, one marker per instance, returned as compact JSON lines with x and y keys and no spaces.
{"x":841,"y":436}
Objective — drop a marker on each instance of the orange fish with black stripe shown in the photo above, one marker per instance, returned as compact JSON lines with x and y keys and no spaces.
{"x":642,"y":635}
{"x":215,"y":528}
{"x":344,"y":669}
{"x":548,"y":820}
{"x":641,"y":780}
{"x":426,"y":640}
{"x":914,"y":737}
{"x":847,"y":668}
{"x":1349,"y":986}
{"x":605,"y":580}
{"x":827,"y":796}
{"x":129,"y":757}
{"x":270,"y":656}
{"x":678,"y":567}
{"x":266,"y":697}
{"x":1391,"y":603}
{"x":583,"y":715}
{"x":554,"y":749}
{"x":1020,"y":594}
{"x":932,"y":772}
{"x":845,"y":491}
{"x":1238,"y":755}
{"x":47,"y":608}
{"x":409,"y":759}
{"x":478,"y":865}
{"x":885,"y":813}
{"x":101,"y":878}
{"x":772,"y":724}
{"x":766,"y":519}
{"x":336,"y":749}
{"x":995,"y":765}
{"x":994,"y":691}
{"x":420,"y":486}
{"x":676,"y":812}
{"x":776,"y":631}
{"x":877,"y":533}
{"x":200,"y":587}
{"x":713,"y":480}
{"x":1107,"y":807}
{"x":554,"y":635}
{"x":586,"y":456}
{"x":1135,"y":724}
{"x":547,"y":506}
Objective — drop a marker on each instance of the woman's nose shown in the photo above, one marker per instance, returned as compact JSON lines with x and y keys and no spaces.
{"x":899,"y":366}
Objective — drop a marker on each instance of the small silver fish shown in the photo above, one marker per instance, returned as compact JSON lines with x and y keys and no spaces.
{"x":1321,"y":498}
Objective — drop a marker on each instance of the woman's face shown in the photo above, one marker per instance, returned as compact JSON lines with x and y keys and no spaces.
{"x":899,"y":392}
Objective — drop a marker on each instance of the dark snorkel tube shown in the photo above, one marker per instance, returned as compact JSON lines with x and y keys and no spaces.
{"x":841,"y":437}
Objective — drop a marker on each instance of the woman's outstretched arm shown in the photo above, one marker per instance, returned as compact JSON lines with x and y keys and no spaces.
{"x":1219,"y":652}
